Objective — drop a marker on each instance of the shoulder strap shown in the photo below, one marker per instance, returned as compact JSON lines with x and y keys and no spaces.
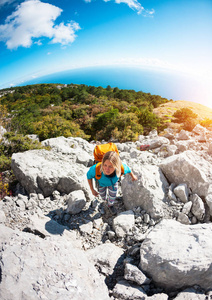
{"x":98,"y":171}
{"x":122,"y":170}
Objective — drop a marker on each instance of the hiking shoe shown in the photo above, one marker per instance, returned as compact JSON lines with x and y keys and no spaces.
{"x":101,"y":208}
{"x":112,"y":210}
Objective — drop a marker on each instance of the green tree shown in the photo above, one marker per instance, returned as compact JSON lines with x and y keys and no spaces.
{"x":54,"y":126}
{"x":104,"y":119}
{"x":148,"y":120}
{"x":184,"y":115}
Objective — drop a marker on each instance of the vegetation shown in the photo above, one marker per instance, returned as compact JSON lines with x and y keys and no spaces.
{"x":12,"y":143}
{"x":206,"y":123}
{"x":184,"y":114}
{"x":93,"y":113}
{"x":4,"y":187}
{"x":187,"y":117}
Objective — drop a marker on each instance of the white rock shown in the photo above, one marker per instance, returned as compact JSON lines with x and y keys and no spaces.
{"x":187,"y":207}
{"x":86,"y":228}
{"x":126,"y":291}
{"x":176,"y":255}
{"x":181,"y":191}
{"x":198,"y":208}
{"x":147,"y":192}
{"x":208,"y":200}
{"x":76,"y":201}
{"x":133,"y":273}
{"x":105,"y":257}
{"x":123,"y":223}
{"x":2,"y":217}
{"x":46,"y":269}
{"x":188,"y":168}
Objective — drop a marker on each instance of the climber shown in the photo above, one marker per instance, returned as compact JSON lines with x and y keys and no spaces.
{"x":107,"y":174}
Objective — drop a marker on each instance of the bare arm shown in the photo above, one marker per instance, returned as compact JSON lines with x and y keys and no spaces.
{"x":94,"y":192}
{"x":133,"y":176}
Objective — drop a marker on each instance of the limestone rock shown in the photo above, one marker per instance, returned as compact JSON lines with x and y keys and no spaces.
{"x":176,"y":255}
{"x":208,"y":200}
{"x":126,"y":291}
{"x":76,"y":201}
{"x":198,"y":129}
{"x":123,"y":223}
{"x":183,"y":135}
{"x":148,"y":191}
{"x":132,"y":273}
{"x":198,"y":208}
{"x":105,"y":257}
{"x":181,"y":191}
{"x":49,"y":269}
{"x":189,"y":294}
{"x":42,"y":171}
{"x":189,"y":168}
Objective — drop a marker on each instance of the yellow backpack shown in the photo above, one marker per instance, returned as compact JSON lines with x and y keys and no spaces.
{"x":100,"y":150}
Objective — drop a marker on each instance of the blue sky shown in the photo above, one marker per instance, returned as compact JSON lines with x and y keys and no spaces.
{"x":43,"y":37}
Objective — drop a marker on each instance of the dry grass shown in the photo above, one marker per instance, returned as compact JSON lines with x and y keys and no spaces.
{"x":168,"y":109}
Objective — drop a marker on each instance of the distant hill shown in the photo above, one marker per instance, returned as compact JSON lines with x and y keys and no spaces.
{"x":170,"y":107}
{"x":165,"y":111}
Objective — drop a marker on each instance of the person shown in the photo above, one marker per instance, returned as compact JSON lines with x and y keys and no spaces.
{"x":110,"y":173}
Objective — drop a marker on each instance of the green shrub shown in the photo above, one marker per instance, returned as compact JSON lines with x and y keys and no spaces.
{"x":17,"y":143}
{"x":5,"y":163}
{"x":184,"y":114}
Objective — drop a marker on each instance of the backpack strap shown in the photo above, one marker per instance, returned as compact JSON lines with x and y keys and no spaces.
{"x":122,"y":170}
{"x":98,"y":174}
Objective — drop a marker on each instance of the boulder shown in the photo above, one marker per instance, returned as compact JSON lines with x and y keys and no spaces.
{"x":106,"y":257}
{"x":69,"y":145}
{"x":147,"y":192}
{"x":35,"y":268}
{"x":189,"y":294}
{"x":176,"y":255}
{"x":190,"y":168}
{"x":76,"y":201}
{"x":158,"y":142}
{"x":42,"y":171}
{"x":123,"y":223}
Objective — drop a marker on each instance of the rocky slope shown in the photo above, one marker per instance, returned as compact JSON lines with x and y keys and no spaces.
{"x":59,"y":242}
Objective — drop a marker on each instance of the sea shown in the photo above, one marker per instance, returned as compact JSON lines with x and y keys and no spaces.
{"x":175,"y":86}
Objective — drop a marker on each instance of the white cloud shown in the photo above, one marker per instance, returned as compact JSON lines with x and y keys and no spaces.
{"x":133,"y":4}
{"x":65,"y":34}
{"x":3,"y":2}
{"x":34,"y":19}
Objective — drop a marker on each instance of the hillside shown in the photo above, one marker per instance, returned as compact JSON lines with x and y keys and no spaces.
{"x":93,"y":113}
{"x":170,"y":108}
